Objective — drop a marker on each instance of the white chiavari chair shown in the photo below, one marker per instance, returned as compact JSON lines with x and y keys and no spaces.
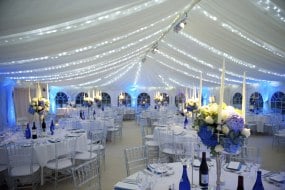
{"x":87,"y":175}
{"x":136,"y":159}
{"x":23,"y":172}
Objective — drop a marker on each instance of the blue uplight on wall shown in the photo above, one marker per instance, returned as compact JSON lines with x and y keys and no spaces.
{"x":132,"y":90}
{"x":52,"y":93}
{"x":7,"y":109}
{"x":205,"y":94}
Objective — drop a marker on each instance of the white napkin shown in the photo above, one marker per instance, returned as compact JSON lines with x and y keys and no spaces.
{"x":277,"y":178}
{"x":196,"y":163}
{"x":125,"y":186}
{"x":234,"y":165}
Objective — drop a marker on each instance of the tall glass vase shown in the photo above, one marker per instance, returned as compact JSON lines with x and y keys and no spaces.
{"x":219,"y":170}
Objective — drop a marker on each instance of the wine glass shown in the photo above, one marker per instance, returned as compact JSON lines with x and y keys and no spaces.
{"x":195,"y":154}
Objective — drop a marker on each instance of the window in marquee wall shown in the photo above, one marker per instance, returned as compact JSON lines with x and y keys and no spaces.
{"x":61,"y":99}
{"x":278,"y":102}
{"x":80,"y":97}
{"x":179,"y":99}
{"x":106,"y":99}
{"x":124,"y":99}
{"x":143,"y":100}
{"x":237,"y":100}
{"x":256,"y":102}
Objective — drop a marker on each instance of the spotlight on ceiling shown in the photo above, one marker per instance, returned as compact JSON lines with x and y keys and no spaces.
{"x":180,"y":25}
{"x":143,"y":59}
{"x":154,"y":48}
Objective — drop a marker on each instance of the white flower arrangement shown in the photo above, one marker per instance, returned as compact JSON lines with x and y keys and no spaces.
{"x":39,"y":105}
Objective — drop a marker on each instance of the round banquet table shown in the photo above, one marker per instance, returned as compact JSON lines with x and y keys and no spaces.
{"x":44,"y":147}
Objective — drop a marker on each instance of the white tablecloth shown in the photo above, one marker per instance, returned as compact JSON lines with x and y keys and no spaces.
{"x":44,"y":148}
{"x":230,"y":179}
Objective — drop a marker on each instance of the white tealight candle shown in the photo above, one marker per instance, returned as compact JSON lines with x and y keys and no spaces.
{"x":243,"y":106}
{"x":221,"y":93}
{"x":200,"y":91}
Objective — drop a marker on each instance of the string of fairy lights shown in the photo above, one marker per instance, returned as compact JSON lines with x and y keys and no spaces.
{"x":120,"y":66}
{"x":79,"y":24}
{"x":93,"y":46}
{"x":242,"y":34}
{"x":86,"y":60}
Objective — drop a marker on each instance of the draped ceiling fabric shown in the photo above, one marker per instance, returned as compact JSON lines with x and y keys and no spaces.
{"x":108,"y":44}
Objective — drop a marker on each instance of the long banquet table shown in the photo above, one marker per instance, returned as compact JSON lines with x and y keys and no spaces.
{"x":158,"y":182}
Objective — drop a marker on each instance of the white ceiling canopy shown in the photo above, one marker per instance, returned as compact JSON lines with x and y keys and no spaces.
{"x":143,"y":44}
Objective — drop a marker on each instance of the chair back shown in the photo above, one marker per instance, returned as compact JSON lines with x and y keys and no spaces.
{"x":135,"y":159}
{"x":87,"y":174}
{"x":20,"y":155}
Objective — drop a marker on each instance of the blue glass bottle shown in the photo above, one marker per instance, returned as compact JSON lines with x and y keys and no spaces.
{"x":258,"y":183}
{"x":184,"y":181}
{"x":28,"y":132}
{"x":51,"y":128}
{"x":185,"y":122}
{"x":94,"y":114}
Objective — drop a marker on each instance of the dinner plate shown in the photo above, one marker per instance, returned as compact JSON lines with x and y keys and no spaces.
{"x":277,"y":178}
{"x":158,"y":169}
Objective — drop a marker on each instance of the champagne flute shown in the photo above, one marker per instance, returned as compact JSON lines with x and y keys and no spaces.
{"x":195,"y":152}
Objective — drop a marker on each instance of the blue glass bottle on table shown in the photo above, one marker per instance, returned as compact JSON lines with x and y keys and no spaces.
{"x":51,"y":128}
{"x":28,"y":132}
{"x":258,"y":183}
{"x":185,"y":122}
{"x":184,"y":181}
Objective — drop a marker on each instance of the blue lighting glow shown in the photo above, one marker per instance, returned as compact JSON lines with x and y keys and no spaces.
{"x":52,"y":93}
{"x":7,"y":110}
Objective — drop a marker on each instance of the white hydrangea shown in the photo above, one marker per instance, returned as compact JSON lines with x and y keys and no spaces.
{"x":209,"y":120}
{"x":245,"y":132}
{"x":225,"y":129}
{"x":219,"y":148}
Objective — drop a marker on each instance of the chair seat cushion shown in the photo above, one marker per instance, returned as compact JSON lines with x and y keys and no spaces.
{"x":24,"y":170}
{"x":148,"y":137}
{"x":96,"y":147}
{"x":151,"y":143}
{"x":3,"y":167}
{"x":62,"y":163}
{"x":168,"y":150}
{"x":85,"y":155}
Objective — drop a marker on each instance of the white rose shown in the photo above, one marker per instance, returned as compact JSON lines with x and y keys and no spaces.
{"x":209,"y":120}
{"x":214,"y":108}
{"x":225,"y":129}
{"x":225,"y":115}
{"x":245,"y":132}
{"x":219,"y":148}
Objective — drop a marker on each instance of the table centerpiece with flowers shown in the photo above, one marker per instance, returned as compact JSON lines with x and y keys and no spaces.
{"x":226,"y":137}
{"x":38,"y":105}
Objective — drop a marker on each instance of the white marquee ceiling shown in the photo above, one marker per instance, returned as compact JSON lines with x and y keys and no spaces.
{"x":108,"y":44}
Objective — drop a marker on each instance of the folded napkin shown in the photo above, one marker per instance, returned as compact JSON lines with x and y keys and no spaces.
{"x":125,"y":186}
{"x":53,"y":140}
{"x":234,"y":165}
{"x":277,"y":178}
{"x":196,"y":163}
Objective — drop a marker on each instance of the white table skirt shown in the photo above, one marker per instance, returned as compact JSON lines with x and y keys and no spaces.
{"x":230,"y":180}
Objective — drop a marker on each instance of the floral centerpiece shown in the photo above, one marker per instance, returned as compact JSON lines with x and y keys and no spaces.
{"x":191,"y":105}
{"x":88,"y":101}
{"x":226,"y":136}
{"x":39,"y":105}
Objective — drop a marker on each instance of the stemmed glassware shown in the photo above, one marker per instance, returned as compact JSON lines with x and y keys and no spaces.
{"x":195,"y":154}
